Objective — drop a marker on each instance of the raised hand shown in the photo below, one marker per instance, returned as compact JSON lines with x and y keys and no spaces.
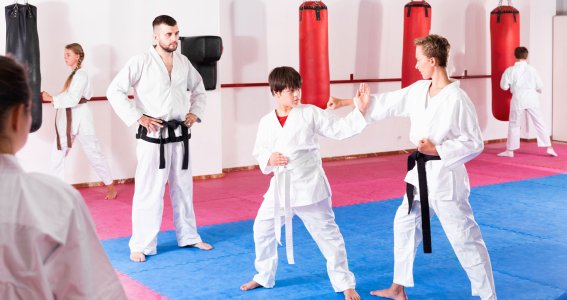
{"x":362,"y":97}
{"x":333,"y":103}
{"x":45,"y":96}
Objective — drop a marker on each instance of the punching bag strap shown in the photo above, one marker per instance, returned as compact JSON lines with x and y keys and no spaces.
{"x":423,"y":4}
{"x":14,"y":12}
{"x":507,"y":10}
{"x":30,"y":15}
{"x":509,"y":2}
{"x":317,"y":7}
{"x":16,"y":9}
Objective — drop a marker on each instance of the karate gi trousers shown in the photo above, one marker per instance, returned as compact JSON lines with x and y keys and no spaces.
{"x":456,"y":218}
{"x":92,"y":150}
{"x":319,"y":219}
{"x":516,"y":117}
{"x":147,"y":206}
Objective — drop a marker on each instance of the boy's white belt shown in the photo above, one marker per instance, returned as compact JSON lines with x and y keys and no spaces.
{"x":282,"y":181}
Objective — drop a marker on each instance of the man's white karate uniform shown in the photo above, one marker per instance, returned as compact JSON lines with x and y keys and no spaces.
{"x":309,"y":191}
{"x":449,"y":121}
{"x":525,"y":85}
{"x":48,"y":243}
{"x":159,"y":96}
{"x":82,"y":128}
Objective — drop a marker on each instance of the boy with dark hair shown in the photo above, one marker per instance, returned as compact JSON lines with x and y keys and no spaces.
{"x":287,"y":145}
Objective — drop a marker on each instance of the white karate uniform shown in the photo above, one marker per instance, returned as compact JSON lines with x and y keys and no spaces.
{"x":309,"y":191}
{"x":159,"y":96}
{"x":48,"y":242}
{"x":525,"y":85}
{"x":449,"y":121}
{"x":82,"y":128}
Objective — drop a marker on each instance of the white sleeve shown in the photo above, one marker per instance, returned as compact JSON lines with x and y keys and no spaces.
{"x":391,"y":104}
{"x":117,"y":92}
{"x":505,"y":80}
{"x":74,"y":93}
{"x":198,"y":94}
{"x":81,"y":260}
{"x":468,"y":142}
{"x":539,"y":82}
{"x":329,"y":125}
{"x":263,"y":148}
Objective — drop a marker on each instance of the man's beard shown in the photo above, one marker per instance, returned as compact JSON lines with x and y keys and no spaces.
{"x":168,"y":49}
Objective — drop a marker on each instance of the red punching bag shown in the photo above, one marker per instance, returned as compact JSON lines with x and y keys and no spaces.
{"x":504,"y":38}
{"x":417,"y":23}
{"x":314,"y":53}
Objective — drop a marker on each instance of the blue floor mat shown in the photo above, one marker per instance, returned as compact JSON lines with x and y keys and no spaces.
{"x":524,"y":225}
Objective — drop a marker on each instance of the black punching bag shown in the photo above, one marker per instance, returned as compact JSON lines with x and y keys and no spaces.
{"x":203,"y":52}
{"x":22,"y":42}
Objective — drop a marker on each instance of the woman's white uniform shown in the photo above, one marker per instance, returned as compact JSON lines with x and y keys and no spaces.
{"x":159,"y":95}
{"x":82,"y":128}
{"x":48,"y":243}
{"x":525,"y":85}
{"x":449,"y":121}
{"x":300,"y":188}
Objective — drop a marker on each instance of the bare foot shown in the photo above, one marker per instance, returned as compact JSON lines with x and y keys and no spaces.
{"x":551,"y":152}
{"x":202,"y":246}
{"x":111,"y":192}
{"x":395,"y":292}
{"x":250,"y":285}
{"x":507,"y":153}
{"x":351,"y":294}
{"x":137,"y":257}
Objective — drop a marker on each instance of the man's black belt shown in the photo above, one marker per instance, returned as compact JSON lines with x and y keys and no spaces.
{"x":171,"y":138}
{"x":421,"y":159}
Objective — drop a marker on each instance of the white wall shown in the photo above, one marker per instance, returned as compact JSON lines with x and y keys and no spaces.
{"x":559,"y":75}
{"x":111,"y":32}
{"x":365,"y":39}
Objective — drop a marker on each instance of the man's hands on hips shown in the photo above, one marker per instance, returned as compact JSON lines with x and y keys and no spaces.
{"x":151,"y":124}
{"x":191,"y":118}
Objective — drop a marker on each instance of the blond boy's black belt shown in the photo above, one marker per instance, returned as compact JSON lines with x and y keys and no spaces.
{"x":421,"y":159}
{"x":170,"y":125}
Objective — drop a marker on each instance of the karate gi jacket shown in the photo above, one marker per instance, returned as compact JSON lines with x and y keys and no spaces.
{"x":298,"y":141}
{"x":155,"y":93}
{"x":449,"y":121}
{"x":525,"y":85}
{"x":48,"y":243}
{"x":80,"y":87}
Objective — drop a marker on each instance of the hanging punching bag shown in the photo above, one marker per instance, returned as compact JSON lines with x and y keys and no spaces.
{"x":314,"y":53}
{"x":504,"y":38}
{"x":417,"y":23}
{"x":23,"y":43}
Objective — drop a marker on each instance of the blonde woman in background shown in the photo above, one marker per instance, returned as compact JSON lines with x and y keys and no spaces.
{"x":74,"y":120}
